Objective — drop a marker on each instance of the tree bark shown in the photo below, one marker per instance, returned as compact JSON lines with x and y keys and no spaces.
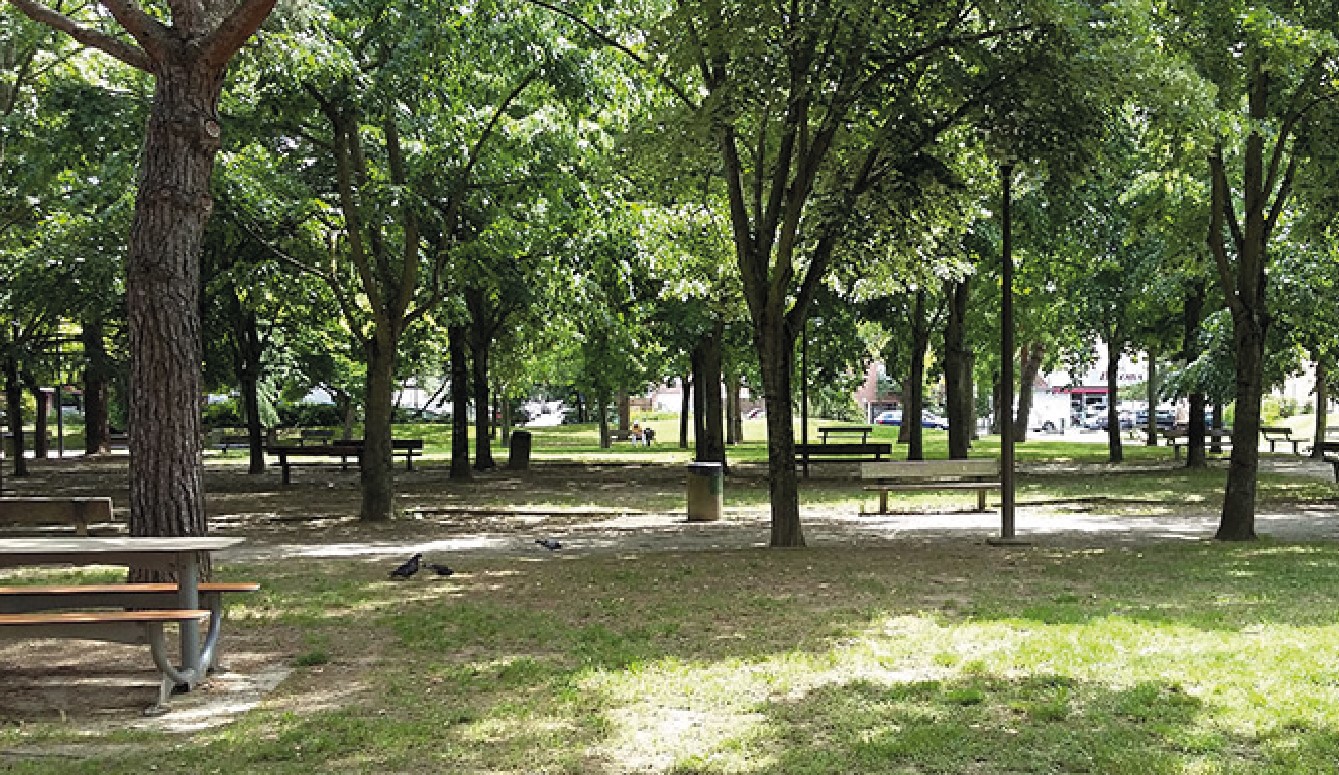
{"x":1151,"y":395}
{"x":957,"y":371}
{"x":776,"y":362}
{"x":711,"y":444}
{"x":624,"y":411}
{"x":483,"y":419}
{"x":1002,"y":413}
{"x":41,"y":416}
{"x":733,"y":423}
{"x":1194,"y":316}
{"x":602,"y":406}
{"x":460,"y":405}
{"x":14,"y":410}
{"x":97,"y":375}
{"x":701,"y":386}
{"x":914,"y":394}
{"x":377,"y":478}
{"x":685,"y":409}
{"x":1031,"y":358}
{"x":1115,"y":452}
{"x":1322,"y":405}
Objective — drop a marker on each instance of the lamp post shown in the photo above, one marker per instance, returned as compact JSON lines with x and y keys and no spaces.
{"x":1007,"y":352}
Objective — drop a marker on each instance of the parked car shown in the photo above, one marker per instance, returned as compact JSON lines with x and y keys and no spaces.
{"x":889,"y":417}
{"x":1165,"y":419}
{"x":928,"y":419}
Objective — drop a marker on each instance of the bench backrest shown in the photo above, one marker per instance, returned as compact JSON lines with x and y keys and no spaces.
{"x":1283,"y":431}
{"x":930,"y":469}
{"x":316,"y":433}
{"x":77,"y":512}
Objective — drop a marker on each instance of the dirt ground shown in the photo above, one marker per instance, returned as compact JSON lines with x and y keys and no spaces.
{"x":101,"y":686}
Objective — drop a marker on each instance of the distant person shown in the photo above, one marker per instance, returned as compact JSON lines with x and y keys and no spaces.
{"x":638,"y":437}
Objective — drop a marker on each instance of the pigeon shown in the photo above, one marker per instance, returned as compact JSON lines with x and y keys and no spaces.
{"x":549,"y":543}
{"x":440,"y":570}
{"x":409,"y":568}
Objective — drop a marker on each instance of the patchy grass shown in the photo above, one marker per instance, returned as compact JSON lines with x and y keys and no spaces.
{"x":1199,"y":658}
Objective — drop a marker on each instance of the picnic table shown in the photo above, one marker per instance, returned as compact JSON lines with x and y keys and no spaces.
{"x":1329,"y":450}
{"x":1180,"y":437}
{"x":846,"y":430}
{"x":179,"y":554}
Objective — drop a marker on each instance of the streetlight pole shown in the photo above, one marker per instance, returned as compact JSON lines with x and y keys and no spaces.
{"x":1007,"y":355}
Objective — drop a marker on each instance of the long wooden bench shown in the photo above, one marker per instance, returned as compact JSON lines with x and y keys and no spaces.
{"x":979,"y":475}
{"x":77,"y":512}
{"x":1281,"y":435}
{"x":1179,"y":438}
{"x":848,"y":451}
{"x":315,"y":436}
{"x":133,"y":627}
{"x":329,"y":454}
{"x":232,"y":441}
{"x":410,"y":448}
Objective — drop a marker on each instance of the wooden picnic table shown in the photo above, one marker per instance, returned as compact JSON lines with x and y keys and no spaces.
{"x":174,"y":554}
{"x":846,"y":430}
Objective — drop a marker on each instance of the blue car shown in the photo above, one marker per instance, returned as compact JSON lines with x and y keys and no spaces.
{"x":928,"y":419}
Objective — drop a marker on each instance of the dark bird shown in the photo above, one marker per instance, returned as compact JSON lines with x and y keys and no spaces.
{"x":409,"y":568}
{"x":549,"y":543}
{"x":440,"y":570}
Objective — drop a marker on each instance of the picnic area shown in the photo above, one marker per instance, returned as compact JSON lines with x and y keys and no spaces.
{"x":901,"y":641}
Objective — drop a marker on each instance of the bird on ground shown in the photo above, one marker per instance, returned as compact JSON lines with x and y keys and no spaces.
{"x":549,"y":543}
{"x":440,"y":570}
{"x":408,"y":568}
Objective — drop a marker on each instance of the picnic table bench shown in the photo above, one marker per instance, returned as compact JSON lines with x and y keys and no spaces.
{"x":315,"y":436}
{"x":1280,"y":435}
{"x":233,"y":441}
{"x":410,"y":448}
{"x":846,"y":430}
{"x":1329,"y":450}
{"x":849,"y":451}
{"x":1179,"y":438}
{"x":977,"y":475}
{"x":78,"y":512}
{"x":25,"y":611}
{"x":339,"y":452}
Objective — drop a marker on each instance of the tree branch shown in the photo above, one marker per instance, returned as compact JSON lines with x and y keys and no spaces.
{"x":235,"y":29}
{"x":150,"y":33}
{"x":609,"y":40}
{"x":1217,"y":210}
{"x":118,"y":49}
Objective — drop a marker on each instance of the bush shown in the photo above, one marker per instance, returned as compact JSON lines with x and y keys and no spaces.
{"x":224,"y":414}
{"x":309,"y":415}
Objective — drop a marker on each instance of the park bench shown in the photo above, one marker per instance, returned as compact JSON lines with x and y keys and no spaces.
{"x":977,"y":475}
{"x":1179,"y":438}
{"x":848,"y":451}
{"x":410,"y":448}
{"x":846,"y":430}
{"x":78,"y":513}
{"x":1281,"y":435}
{"x":329,"y":454}
{"x":315,"y":436}
{"x":233,"y":441}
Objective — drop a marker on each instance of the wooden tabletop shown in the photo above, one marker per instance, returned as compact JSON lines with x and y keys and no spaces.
{"x":118,"y":550}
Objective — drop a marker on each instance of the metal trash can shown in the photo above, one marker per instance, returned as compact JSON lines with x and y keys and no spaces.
{"x":706,"y":491}
{"x":518,"y":458}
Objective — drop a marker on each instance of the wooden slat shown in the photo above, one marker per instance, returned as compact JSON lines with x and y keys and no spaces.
{"x":934,"y":486}
{"x":103,"y":617}
{"x":116,"y":589}
{"x":900,"y":469}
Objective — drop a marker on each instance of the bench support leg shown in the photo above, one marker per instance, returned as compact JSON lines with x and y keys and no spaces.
{"x":883,"y":501}
{"x":980,"y":500}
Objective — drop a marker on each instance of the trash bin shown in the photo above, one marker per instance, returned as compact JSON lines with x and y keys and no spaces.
{"x":706,"y":491}
{"x":519,"y":456}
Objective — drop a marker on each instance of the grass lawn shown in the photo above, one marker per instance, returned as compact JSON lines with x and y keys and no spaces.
{"x":1088,"y":655}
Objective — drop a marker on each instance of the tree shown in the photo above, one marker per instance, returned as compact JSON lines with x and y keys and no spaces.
{"x":1271,"y":64}
{"x":187,"y":57}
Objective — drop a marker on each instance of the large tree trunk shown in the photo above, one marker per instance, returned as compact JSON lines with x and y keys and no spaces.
{"x":254,"y":432}
{"x":460,"y":405}
{"x":377,"y":479}
{"x":1115,"y":452}
{"x":624,"y":402}
{"x":1190,"y":351}
{"x":711,"y":441}
{"x":483,"y":418}
{"x":602,"y":405}
{"x":913,"y":397}
{"x":1322,"y":406}
{"x":41,"y":416}
{"x":961,"y":405}
{"x":1032,"y":356}
{"x":685,"y":408}
{"x":14,"y":410}
{"x":172,"y":208}
{"x":776,"y":362}
{"x":1151,"y":396}
{"x":734,"y":426}
{"x":97,"y":376}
